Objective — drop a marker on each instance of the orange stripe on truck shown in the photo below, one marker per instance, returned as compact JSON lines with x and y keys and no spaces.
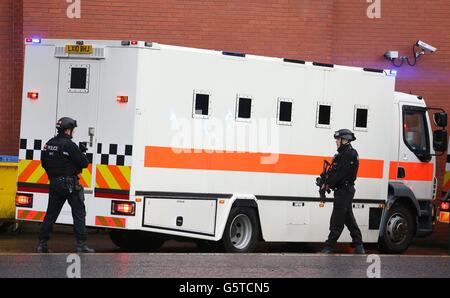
{"x":180,"y":158}
{"x":120,"y":179}
{"x":446,"y":187}
{"x":113,"y":177}
{"x":99,"y":180}
{"x":30,"y":215}
{"x":43,"y":179}
{"x":86,"y":176}
{"x":107,"y":221}
{"x":31,"y":171}
{"x":414,"y":171}
{"x":28,"y":170}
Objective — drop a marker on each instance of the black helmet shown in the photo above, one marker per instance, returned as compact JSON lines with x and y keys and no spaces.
{"x":344,"y":134}
{"x":65,"y":123}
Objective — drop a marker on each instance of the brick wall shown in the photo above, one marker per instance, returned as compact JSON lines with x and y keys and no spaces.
{"x":336,"y":31}
{"x":10,"y":74}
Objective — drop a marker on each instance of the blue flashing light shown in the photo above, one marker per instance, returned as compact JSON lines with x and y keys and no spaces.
{"x":33,"y":40}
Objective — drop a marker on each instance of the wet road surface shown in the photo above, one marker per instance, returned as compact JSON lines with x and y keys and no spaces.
{"x":427,"y":257}
{"x":260,"y":265}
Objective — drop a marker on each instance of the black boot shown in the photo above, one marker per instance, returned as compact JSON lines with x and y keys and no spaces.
{"x":359,"y":250}
{"x":327,"y":250}
{"x":83,"y":248}
{"x":42,"y":247}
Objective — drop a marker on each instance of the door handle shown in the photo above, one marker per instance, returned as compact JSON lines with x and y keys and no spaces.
{"x":91,"y":132}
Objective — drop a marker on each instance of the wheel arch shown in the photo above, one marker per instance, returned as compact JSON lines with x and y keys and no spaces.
{"x":399,"y":193}
{"x":249,"y":201}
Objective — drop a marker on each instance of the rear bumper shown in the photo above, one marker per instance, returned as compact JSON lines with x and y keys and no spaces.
{"x":98,"y":213}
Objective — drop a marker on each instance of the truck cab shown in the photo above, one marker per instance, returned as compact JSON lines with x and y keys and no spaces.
{"x":412,"y":179}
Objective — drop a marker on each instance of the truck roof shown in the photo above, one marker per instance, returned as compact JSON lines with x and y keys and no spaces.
{"x":410,"y":98}
{"x":157,"y":46}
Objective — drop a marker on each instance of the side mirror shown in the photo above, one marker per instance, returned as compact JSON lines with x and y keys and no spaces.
{"x":440,"y":119}
{"x":440,"y":140}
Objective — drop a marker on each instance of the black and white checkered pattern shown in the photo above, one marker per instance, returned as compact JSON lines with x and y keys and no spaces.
{"x":114,"y":154}
{"x":32,"y":149}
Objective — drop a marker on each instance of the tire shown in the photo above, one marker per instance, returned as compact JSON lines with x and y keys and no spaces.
{"x":15,"y":228}
{"x":3,"y":227}
{"x":12,"y":228}
{"x":241,"y":231}
{"x":136,"y":241}
{"x":399,"y":230}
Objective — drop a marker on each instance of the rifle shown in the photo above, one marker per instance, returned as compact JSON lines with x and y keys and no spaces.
{"x":322,"y":180}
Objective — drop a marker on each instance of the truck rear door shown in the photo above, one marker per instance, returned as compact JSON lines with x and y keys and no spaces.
{"x":78,"y":95}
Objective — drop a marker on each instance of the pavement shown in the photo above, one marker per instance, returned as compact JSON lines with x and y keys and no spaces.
{"x":63,"y":241}
{"x":200,"y":265}
{"x":427,"y":257}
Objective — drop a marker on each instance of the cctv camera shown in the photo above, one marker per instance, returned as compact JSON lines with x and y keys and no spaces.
{"x":425,"y":46}
{"x":391,"y":55}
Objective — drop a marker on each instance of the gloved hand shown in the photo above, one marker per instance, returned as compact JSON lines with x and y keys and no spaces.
{"x":83,"y":147}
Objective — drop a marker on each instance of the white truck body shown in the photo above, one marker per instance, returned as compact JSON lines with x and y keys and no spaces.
{"x":185,"y":166}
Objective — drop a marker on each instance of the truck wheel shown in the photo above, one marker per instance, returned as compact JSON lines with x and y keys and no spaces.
{"x":399,"y":230}
{"x":12,"y":228}
{"x":3,"y":227}
{"x":136,"y":241}
{"x":15,"y":228}
{"x":241,"y":231}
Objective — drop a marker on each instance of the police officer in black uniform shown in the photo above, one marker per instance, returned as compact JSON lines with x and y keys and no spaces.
{"x":63,"y":160}
{"x":341,"y":178}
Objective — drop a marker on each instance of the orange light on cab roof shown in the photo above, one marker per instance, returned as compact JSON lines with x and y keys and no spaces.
{"x":122,"y":98}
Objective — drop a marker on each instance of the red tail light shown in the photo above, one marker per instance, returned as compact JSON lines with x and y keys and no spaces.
{"x":24,"y":200}
{"x":445,"y":206}
{"x":122,"y":99}
{"x":123,"y":208}
{"x":33,"y":95}
{"x":134,"y":42}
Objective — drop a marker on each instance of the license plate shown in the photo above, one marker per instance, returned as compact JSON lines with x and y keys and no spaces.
{"x":78,"y":49}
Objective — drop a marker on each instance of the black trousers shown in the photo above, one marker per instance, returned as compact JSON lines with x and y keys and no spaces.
{"x":56,"y":200}
{"x":343,"y":215}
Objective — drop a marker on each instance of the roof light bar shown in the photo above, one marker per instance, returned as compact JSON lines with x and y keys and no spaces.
{"x":33,"y":40}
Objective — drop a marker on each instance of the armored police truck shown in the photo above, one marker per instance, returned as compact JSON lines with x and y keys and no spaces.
{"x":225,"y":147}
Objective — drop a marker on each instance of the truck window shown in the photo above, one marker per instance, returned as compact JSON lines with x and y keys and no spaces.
{"x":201,"y":104}
{"x":361,"y":118}
{"x":79,"y":78}
{"x":415,"y":131}
{"x":284,"y":111}
{"x":323,"y":117}
{"x":244,"y":110}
